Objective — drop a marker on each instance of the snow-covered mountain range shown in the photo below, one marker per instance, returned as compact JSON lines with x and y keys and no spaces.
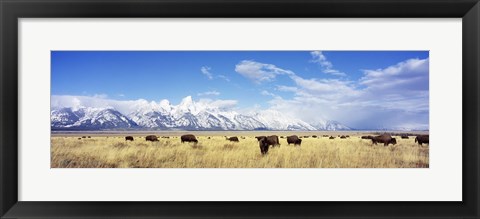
{"x":188,"y":115}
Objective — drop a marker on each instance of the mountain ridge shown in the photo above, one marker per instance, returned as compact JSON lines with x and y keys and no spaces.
{"x":188,"y":115}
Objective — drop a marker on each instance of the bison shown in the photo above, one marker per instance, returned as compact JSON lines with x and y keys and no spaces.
{"x":151,"y":138}
{"x":314,"y":136}
{"x":367,"y":137}
{"x":271,"y":140}
{"x":234,"y":139}
{"x":294,"y":140}
{"x":331,"y":137}
{"x":128,"y":138}
{"x":84,"y":136}
{"x":263,"y":144}
{"x":89,"y":136}
{"x":404,"y":136}
{"x":422,"y":139}
{"x":343,"y":137}
{"x":385,"y":139}
{"x":188,"y":138}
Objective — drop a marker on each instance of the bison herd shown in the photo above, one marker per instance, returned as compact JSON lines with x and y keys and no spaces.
{"x":387,"y":139}
{"x":265,"y":142}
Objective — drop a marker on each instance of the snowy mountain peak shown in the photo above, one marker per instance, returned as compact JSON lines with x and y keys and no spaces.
{"x":186,"y":101}
{"x":188,"y":115}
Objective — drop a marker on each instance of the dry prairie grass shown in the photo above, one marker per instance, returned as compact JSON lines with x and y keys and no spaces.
{"x":115,"y":152}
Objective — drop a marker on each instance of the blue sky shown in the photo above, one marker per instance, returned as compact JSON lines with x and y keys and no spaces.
{"x":333,"y":84}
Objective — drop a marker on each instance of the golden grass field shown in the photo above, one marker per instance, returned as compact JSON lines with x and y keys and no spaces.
{"x":112,"y":151}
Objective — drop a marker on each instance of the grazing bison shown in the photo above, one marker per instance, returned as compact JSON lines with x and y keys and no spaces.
{"x":128,"y":138}
{"x":422,"y":139}
{"x":151,"y":138}
{"x":208,"y":138}
{"x":331,"y":137}
{"x":404,"y":136}
{"x":367,"y":137}
{"x":306,"y":136}
{"x":263,"y":144}
{"x":234,"y":139}
{"x":348,"y":136}
{"x":84,"y":136}
{"x":385,"y":139}
{"x":314,"y":136}
{"x":294,"y":140}
{"x":79,"y":138}
{"x":343,"y":136}
{"x":271,"y":140}
{"x":89,"y":136}
{"x":188,"y":138}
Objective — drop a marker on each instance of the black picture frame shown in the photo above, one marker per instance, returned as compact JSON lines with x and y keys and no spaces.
{"x":12,"y":10}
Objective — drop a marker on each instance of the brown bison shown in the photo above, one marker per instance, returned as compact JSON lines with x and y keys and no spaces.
{"x":128,"y":138}
{"x":422,"y":139}
{"x":367,"y":137}
{"x":89,"y":136}
{"x":294,"y":140}
{"x":263,"y":144}
{"x":234,"y":139}
{"x":385,"y":139}
{"x":331,"y":137}
{"x":314,"y":136}
{"x":151,"y":138}
{"x":84,"y":136}
{"x":404,"y":136}
{"x":188,"y":138}
{"x":271,"y":140}
{"x":343,"y":137}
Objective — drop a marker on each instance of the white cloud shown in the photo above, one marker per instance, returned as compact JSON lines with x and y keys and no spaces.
{"x":287,"y":88}
{"x":209,"y":93}
{"x":327,"y":66}
{"x":266,"y":93}
{"x":206,"y":71}
{"x":259,"y":72}
{"x":223,"y":104}
{"x":224,"y":78}
{"x":382,"y":98}
{"x":411,"y":74}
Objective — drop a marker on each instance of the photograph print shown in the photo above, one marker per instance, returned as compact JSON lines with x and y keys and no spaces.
{"x":239,"y":109}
